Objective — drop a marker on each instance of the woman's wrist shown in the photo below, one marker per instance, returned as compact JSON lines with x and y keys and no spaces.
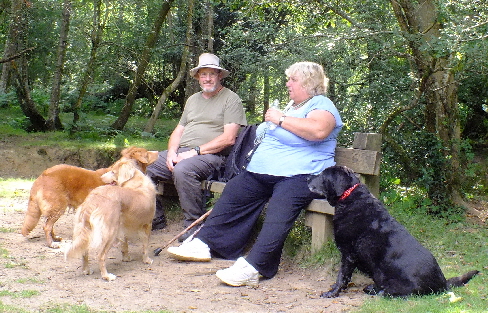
{"x":281,"y":120}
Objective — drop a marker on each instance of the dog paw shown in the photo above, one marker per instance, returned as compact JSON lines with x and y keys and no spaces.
{"x":109,"y":277}
{"x":329,"y":294}
{"x":53,"y":246}
{"x":57,"y":239}
{"x":126,"y":258}
{"x":147,"y":261}
{"x":87,"y":272}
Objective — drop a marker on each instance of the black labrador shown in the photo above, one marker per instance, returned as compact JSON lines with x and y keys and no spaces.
{"x":371,"y":240}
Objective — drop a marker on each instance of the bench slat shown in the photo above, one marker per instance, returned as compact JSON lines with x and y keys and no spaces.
{"x":321,"y":206}
{"x":366,"y":162}
{"x":216,"y":186}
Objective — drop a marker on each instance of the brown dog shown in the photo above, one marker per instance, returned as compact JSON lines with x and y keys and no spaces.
{"x":63,"y":186}
{"x":125,"y":210}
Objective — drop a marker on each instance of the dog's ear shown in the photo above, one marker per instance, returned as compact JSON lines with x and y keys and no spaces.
{"x":126,"y":152}
{"x":152,"y":156}
{"x":316,"y":184}
{"x":342,"y":178}
{"x":125,"y":173}
{"x":141,"y":157}
{"x":332,"y":182}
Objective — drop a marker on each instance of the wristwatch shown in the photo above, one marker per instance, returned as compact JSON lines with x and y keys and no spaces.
{"x":281,"y":120}
{"x":197,"y":149}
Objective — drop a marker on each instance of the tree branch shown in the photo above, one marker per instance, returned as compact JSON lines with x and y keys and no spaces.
{"x":17,"y":55}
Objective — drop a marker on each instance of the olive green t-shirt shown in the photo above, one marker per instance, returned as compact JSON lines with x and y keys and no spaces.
{"x":204,"y":119}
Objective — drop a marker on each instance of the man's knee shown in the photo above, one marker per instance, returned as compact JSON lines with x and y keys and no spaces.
{"x":183,"y":174}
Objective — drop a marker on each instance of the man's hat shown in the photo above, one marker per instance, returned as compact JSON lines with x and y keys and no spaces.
{"x":211,"y":61}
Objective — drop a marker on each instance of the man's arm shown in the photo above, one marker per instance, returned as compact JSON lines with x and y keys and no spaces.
{"x":173,"y":145}
{"x":217,"y":144}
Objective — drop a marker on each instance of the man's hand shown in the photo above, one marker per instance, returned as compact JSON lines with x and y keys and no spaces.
{"x":177,"y":157}
{"x":171,"y":159}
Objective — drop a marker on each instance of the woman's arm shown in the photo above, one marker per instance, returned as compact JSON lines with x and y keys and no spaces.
{"x":315,"y":127}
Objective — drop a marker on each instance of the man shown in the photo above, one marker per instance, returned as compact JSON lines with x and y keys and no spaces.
{"x":203,"y":137}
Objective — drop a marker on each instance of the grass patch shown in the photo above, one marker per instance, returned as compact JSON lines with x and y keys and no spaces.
{"x":463,"y":302}
{"x":3,"y":253}
{"x":6,"y":230}
{"x":14,"y":187}
{"x":13,"y":264}
{"x":63,"y":308}
{"x":29,"y":280}
{"x":93,"y":131}
{"x":9,"y":261}
{"x":19,"y":294}
{"x":4,"y":308}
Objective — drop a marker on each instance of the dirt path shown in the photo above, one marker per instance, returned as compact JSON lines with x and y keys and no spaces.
{"x":165,"y":285}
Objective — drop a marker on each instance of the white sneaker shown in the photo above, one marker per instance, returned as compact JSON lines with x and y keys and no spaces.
{"x":240,"y":274}
{"x":194,"y":250}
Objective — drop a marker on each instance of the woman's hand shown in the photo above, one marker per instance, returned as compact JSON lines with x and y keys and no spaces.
{"x":273,"y":115}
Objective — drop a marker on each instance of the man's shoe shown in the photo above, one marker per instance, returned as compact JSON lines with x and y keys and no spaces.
{"x":240,"y":274}
{"x":194,"y":250}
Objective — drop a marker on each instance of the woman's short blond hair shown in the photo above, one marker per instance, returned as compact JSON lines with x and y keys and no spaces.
{"x":311,"y":75}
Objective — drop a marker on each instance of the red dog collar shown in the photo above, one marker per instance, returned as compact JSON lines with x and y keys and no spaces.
{"x":348,"y":192}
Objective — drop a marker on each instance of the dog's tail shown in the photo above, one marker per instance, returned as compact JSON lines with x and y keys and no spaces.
{"x":32,"y":215}
{"x":81,"y":234}
{"x":105,"y":221}
{"x":461,"y":280}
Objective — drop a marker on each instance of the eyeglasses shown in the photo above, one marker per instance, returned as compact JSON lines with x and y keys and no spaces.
{"x":208,"y":74}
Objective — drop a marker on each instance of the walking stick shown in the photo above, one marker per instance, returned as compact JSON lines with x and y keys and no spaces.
{"x":157,"y":251}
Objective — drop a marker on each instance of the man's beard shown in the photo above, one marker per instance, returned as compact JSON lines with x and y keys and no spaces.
{"x":209,"y":89}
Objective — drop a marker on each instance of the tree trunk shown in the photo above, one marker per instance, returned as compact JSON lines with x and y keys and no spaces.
{"x":210,"y":25}
{"x":96,"y":38}
{"x":419,"y":20}
{"x":141,"y":68}
{"x":253,"y":93}
{"x":38,"y":123}
{"x":6,"y":66}
{"x":181,"y":73}
{"x":266,"y":92}
{"x":53,"y":121}
{"x":18,"y":36}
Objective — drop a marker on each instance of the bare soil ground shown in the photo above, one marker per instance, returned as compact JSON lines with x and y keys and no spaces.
{"x":26,"y":264}
{"x":164,"y":285}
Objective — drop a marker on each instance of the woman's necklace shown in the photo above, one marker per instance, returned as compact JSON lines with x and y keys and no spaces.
{"x":297,"y":106}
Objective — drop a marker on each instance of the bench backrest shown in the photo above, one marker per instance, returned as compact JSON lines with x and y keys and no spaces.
{"x":363,"y":158}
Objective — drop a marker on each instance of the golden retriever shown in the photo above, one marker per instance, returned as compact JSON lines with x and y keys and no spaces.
{"x":125,"y":211}
{"x":64,"y":186}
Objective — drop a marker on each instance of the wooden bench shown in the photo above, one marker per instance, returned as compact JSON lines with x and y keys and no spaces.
{"x":364,"y":158}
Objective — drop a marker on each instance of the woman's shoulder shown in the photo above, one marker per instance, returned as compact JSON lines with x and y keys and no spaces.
{"x":321,"y":102}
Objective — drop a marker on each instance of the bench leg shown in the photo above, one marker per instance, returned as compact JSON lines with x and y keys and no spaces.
{"x":322,"y":229}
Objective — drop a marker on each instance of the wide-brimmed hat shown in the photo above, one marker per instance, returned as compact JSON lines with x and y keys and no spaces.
{"x":209,"y":60}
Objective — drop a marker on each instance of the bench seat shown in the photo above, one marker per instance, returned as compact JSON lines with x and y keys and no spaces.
{"x":364,"y":158}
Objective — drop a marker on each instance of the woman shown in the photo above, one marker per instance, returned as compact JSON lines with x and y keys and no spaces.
{"x":301,"y":141}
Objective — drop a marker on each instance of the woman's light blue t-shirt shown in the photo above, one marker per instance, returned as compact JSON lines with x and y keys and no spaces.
{"x":282,"y":153}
